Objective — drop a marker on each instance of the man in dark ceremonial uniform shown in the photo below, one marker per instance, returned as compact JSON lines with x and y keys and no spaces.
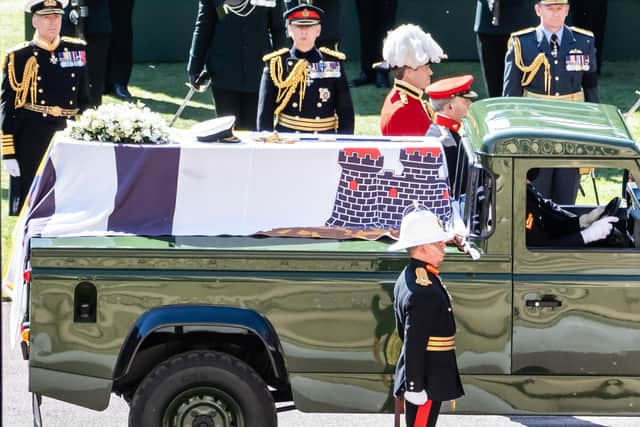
{"x":229,"y":46}
{"x":92,"y":23}
{"x":556,"y":62}
{"x":305,"y":89}
{"x":120,"y":59}
{"x":376,"y":18}
{"x":451,"y":99}
{"x":495,"y":21}
{"x":427,"y":371}
{"x":552,"y":60}
{"x":44,"y":83}
{"x":547,"y":224}
{"x":408,"y":51}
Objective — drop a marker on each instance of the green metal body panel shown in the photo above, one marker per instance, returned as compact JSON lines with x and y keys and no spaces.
{"x":308,"y":304}
{"x":484,"y":394}
{"x":330,"y":302}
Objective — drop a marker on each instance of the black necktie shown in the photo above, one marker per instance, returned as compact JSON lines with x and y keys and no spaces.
{"x":554,"y":45}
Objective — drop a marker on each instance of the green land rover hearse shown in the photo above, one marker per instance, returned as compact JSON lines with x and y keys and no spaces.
{"x":217,"y":329}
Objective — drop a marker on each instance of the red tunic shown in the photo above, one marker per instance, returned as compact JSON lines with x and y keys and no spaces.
{"x":404,"y":112}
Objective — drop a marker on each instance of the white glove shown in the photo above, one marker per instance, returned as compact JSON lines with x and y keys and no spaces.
{"x":12,"y":167}
{"x":599,"y":229}
{"x":463,"y":245}
{"x":416,"y":398}
{"x":588,"y":218}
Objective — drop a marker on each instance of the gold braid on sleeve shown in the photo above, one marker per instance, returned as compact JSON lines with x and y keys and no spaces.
{"x":529,"y":71}
{"x":286,"y":88}
{"x":29,"y":83}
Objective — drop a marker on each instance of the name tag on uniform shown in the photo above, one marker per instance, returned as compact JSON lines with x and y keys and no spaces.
{"x":577,"y":61}
{"x":324,"y":70}
{"x":75,"y":58}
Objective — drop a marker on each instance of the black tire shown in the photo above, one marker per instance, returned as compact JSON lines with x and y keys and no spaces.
{"x":213,"y":388}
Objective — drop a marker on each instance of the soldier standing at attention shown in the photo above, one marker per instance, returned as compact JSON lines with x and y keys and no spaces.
{"x":120,"y":59}
{"x":44,"y":83}
{"x":556,"y":62}
{"x":427,"y":371}
{"x":495,"y":21}
{"x":408,"y":51}
{"x":95,"y":29}
{"x":229,"y":45}
{"x":305,"y":89}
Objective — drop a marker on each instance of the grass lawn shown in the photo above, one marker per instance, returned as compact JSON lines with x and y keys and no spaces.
{"x":161,"y":87}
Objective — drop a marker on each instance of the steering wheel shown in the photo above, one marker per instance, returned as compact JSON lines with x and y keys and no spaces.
{"x":612,"y":207}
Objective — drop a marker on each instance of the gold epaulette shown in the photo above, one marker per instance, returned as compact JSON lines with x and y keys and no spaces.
{"x":273,"y":54}
{"x":17,"y":47}
{"x":73,"y":40}
{"x":582,"y":31}
{"x":523,"y":31}
{"x":341,"y":56}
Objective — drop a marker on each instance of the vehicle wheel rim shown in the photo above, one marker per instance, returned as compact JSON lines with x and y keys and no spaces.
{"x":203,"y":407}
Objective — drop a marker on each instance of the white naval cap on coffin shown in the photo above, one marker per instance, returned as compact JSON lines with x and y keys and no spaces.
{"x":215,"y":130}
{"x":409,"y":46}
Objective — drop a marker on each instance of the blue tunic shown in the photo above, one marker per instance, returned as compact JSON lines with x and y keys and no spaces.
{"x":573,"y":69}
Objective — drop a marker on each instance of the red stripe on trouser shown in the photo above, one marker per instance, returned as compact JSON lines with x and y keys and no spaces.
{"x":423,"y":415}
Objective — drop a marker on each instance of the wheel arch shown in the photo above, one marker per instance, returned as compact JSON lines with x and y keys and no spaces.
{"x":176,"y":321}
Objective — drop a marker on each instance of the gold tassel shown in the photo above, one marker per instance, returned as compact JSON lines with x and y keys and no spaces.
{"x":286,"y":88}
{"x":430,"y":112}
{"x":453,"y":405}
{"x":529,"y":71}
{"x":29,"y":83}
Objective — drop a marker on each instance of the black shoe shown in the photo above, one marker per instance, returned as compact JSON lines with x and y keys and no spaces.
{"x":121,"y":92}
{"x":362,"y":80}
{"x":382,"y":79}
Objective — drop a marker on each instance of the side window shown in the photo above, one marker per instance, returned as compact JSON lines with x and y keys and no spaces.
{"x":580,"y":208}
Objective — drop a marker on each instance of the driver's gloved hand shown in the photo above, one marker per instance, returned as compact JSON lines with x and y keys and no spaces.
{"x":599,"y":229}
{"x":588,"y":218}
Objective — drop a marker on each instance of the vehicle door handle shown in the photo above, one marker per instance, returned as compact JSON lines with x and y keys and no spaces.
{"x":543,"y":303}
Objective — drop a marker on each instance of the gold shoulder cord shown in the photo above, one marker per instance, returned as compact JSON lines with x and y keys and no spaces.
{"x":529,"y":71}
{"x":29,"y":81}
{"x":286,"y":88}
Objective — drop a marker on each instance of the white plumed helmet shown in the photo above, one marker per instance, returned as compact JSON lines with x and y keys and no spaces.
{"x":409,"y":46}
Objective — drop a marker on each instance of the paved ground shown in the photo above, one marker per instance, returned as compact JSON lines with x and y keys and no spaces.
{"x":16,"y":408}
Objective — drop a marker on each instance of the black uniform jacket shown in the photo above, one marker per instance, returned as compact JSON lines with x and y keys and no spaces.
{"x":512,"y":15}
{"x":574,"y":68}
{"x":424,"y":316}
{"x":231,"y":46}
{"x":326,"y":94}
{"x":547,"y":224}
{"x":59,"y":80}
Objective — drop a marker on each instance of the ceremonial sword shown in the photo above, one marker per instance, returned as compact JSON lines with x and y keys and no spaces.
{"x":200,"y":85}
